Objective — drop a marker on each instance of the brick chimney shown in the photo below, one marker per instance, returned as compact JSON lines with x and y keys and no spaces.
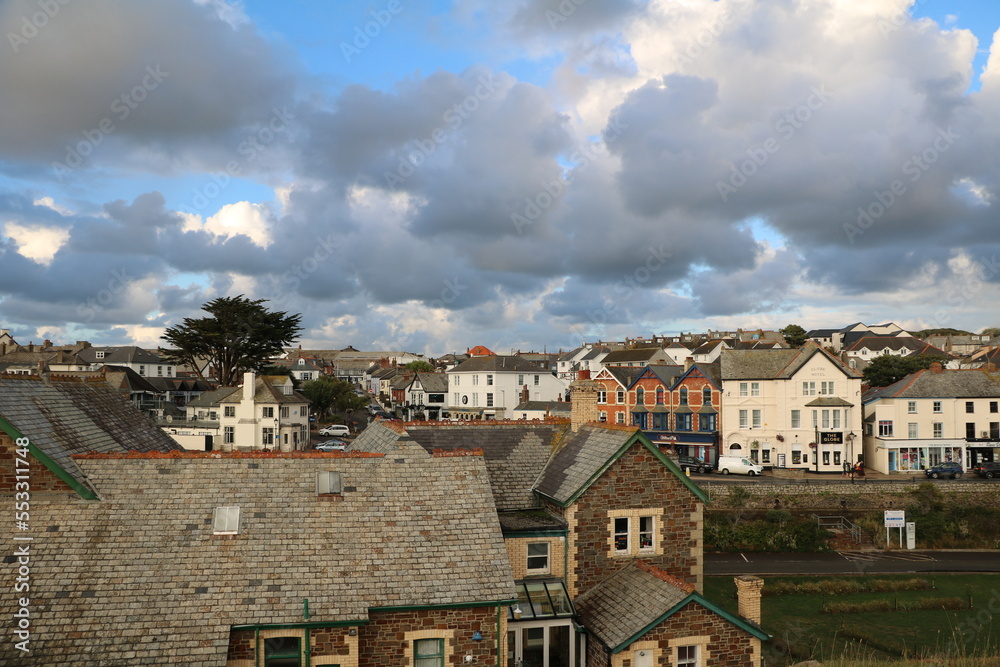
{"x":583,"y":402}
{"x":525,"y":394}
{"x":748,"y":596}
{"x":583,"y":375}
{"x":688,"y":363}
{"x":936,"y":367}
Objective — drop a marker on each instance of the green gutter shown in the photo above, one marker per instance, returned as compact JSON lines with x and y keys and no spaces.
{"x":499,"y":649}
{"x":44,"y":459}
{"x":556,"y":532}
{"x":300,"y":626}
{"x":457,"y":605}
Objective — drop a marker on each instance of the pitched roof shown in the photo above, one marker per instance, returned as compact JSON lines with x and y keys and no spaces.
{"x":143,"y":560}
{"x":665,"y":374}
{"x":582,"y":456}
{"x":768,"y":364}
{"x":433,"y":382}
{"x":63,"y":417}
{"x":496,"y":364}
{"x":264,"y":392}
{"x":515,"y":453}
{"x":635,"y":354}
{"x":561,"y":407}
{"x":637,"y":598}
{"x":972,"y":383}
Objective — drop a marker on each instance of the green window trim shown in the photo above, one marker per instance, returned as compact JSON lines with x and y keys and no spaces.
{"x":428,"y":652}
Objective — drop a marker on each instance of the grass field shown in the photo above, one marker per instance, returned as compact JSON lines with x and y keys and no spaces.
{"x":800,"y":631}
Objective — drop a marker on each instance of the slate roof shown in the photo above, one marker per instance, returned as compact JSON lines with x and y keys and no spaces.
{"x":625,"y":374}
{"x":433,"y":383}
{"x":629,"y":601}
{"x":637,"y":597}
{"x":581,"y":455}
{"x":127,"y":380}
{"x":264,"y":392}
{"x":563,"y":408}
{"x":636,"y":354}
{"x":515,"y":453}
{"x":143,"y":562}
{"x":770,"y":364}
{"x":879,"y":343}
{"x":668,"y":375}
{"x":211,"y":399}
{"x":496,"y":364}
{"x":974,"y":383}
{"x":530,"y":521}
{"x":67,"y":417}
{"x":127,"y":355}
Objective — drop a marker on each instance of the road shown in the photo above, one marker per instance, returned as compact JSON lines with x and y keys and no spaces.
{"x":852,"y":562}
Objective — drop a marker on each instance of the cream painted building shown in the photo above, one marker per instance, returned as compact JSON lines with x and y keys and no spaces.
{"x":791,"y":408}
{"x":930,"y":417}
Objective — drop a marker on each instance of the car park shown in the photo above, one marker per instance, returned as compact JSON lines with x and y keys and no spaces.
{"x":693,"y":464}
{"x":335,"y":429}
{"x":987,"y":469}
{"x":946,"y":469}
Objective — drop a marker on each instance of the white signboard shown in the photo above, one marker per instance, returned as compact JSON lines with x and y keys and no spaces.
{"x":895,"y":519}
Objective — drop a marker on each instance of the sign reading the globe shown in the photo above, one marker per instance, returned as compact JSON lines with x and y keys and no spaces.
{"x":831,"y":438}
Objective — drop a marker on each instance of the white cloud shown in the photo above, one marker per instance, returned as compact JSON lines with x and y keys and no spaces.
{"x":39,"y":243}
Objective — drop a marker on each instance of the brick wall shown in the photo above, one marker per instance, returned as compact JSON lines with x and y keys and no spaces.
{"x":517,"y":552}
{"x":40,"y":478}
{"x":387,"y":640}
{"x":636,"y":480}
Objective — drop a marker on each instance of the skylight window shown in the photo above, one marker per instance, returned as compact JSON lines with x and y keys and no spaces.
{"x":327,"y":482}
{"x":226,"y":520}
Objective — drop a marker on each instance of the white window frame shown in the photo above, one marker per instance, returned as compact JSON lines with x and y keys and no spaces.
{"x":808,"y":388}
{"x":228,"y":435}
{"x":545,"y":558}
{"x":226,"y":520}
{"x":702,"y":657}
{"x":744,"y":423}
{"x":938,"y":429}
{"x":796,"y":419}
{"x":328,"y":482}
{"x":229,"y":411}
{"x":636,"y":523}
{"x":755,"y":418}
{"x":911,"y":431}
{"x":744,"y":389}
{"x":911,"y":407}
{"x":602,"y":397}
{"x":755,"y":388}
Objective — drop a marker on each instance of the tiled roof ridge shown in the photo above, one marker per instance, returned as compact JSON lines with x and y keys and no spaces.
{"x":258,"y":454}
{"x":444,"y":453}
{"x":913,"y":378}
{"x":665,"y":576}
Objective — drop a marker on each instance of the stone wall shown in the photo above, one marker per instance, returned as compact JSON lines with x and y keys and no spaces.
{"x":387,"y":640}
{"x":636,"y":480}
{"x":845,"y":495}
{"x":40,"y":478}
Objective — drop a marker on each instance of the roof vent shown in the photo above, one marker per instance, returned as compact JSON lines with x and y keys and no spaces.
{"x":328,"y":482}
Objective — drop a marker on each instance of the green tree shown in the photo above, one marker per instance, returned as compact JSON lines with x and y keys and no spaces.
{"x":888,"y":369}
{"x":328,"y":394}
{"x":419,"y":366}
{"x":794,"y":335}
{"x":992,"y":332}
{"x":239,"y":335}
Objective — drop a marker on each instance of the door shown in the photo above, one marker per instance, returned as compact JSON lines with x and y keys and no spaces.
{"x":643,"y":658}
{"x":540,"y":646}
{"x":892,"y":461}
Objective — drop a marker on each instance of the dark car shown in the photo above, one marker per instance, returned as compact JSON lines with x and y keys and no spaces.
{"x":949,"y":469}
{"x":989,"y":470}
{"x":693,"y":464}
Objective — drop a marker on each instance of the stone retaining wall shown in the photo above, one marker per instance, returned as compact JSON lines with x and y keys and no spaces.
{"x":845,"y":495}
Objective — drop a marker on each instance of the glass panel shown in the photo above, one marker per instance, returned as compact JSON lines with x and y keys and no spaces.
{"x":281,"y":652}
{"x":559,"y":646}
{"x":540,"y":604}
{"x":533,"y":652}
{"x":621,"y":534}
{"x":560,"y":600}
{"x":523,"y":603}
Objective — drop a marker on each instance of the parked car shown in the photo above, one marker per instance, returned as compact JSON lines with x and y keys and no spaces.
{"x":335,"y":429}
{"x":947,"y":469}
{"x":693,"y":464}
{"x":989,"y":470}
{"x":331,"y":446}
{"x":739,"y":466}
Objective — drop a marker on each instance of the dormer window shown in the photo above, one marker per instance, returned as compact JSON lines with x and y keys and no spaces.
{"x":100,"y":355}
{"x":287,"y":389}
{"x":328,"y":482}
{"x":226,"y":520}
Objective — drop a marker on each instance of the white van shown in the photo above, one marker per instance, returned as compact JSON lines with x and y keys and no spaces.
{"x":738,"y":466}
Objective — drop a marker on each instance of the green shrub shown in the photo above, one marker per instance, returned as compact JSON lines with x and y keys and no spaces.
{"x":855,"y":607}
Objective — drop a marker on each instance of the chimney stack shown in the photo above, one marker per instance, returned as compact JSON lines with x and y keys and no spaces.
{"x":583,"y":375}
{"x":748,"y":597}
{"x":525,"y":394}
{"x":688,"y":363}
{"x":583,"y":402}
{"x":249,"y":385}
{"x":936,"y":367}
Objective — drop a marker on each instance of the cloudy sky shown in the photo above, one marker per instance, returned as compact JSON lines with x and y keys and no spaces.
{"x":523,"y":174}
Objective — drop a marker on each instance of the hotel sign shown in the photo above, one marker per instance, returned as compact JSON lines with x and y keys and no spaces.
{"x":831,"y":438}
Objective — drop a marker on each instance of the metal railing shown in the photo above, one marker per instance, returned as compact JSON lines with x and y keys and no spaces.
{"x":840,"y":523}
